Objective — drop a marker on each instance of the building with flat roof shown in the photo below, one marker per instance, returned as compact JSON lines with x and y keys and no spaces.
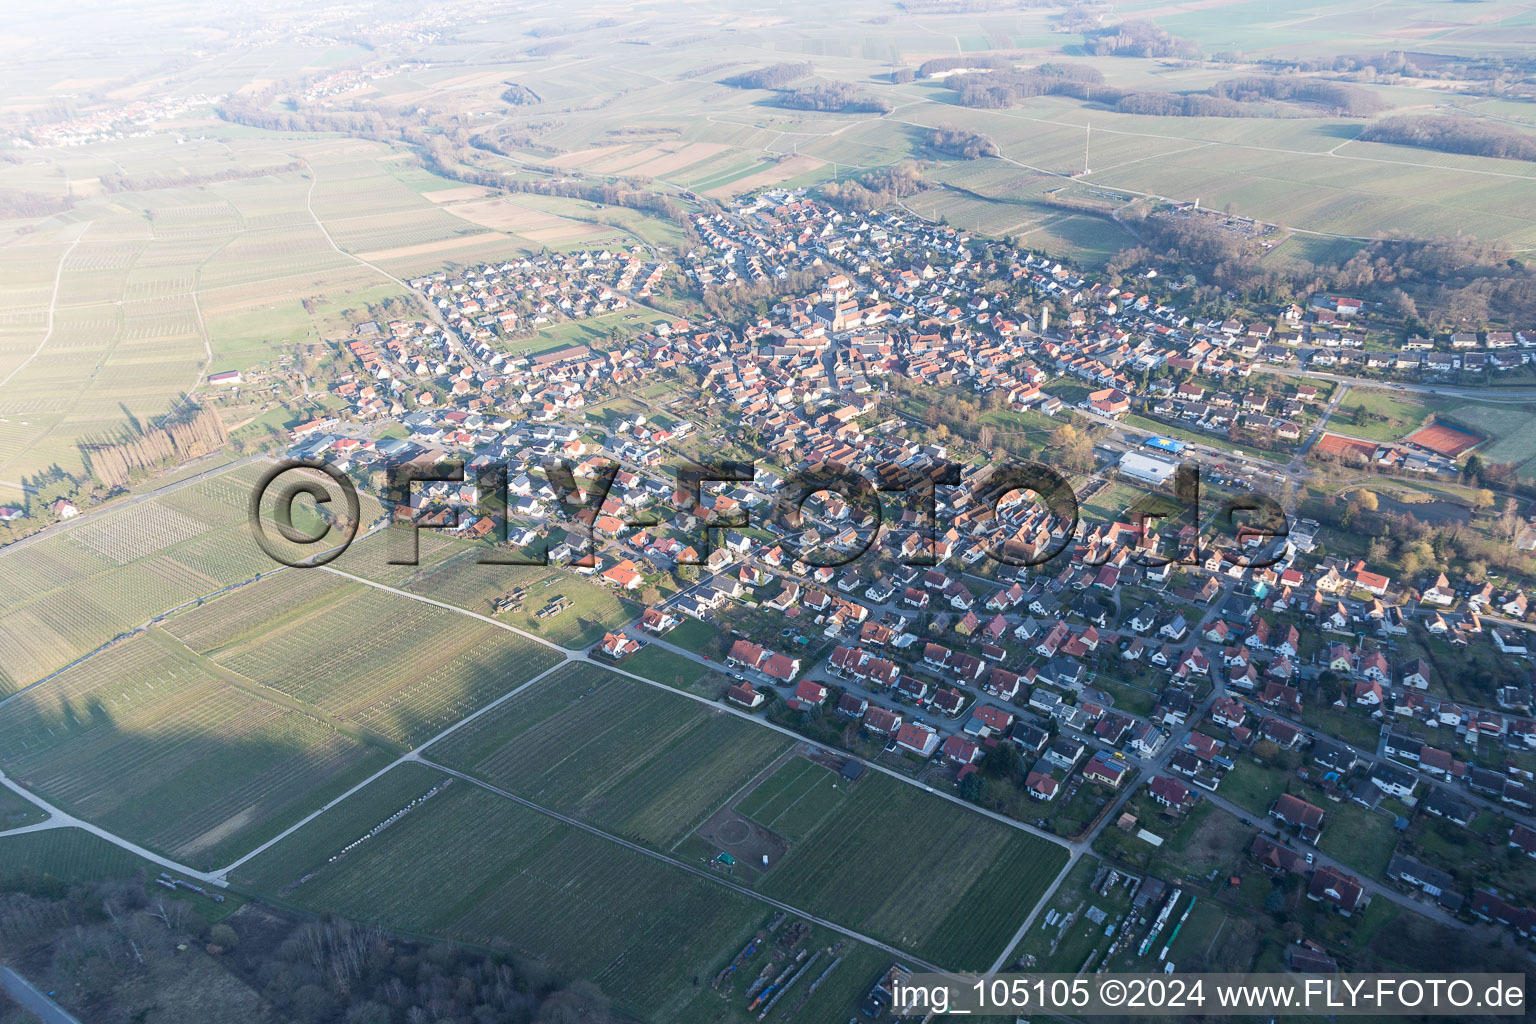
{"x":1145,"y":469}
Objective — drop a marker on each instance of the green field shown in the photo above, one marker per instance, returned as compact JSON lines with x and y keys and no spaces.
{"x":155,"y":745}
{"x":953,"y":885}
{"x":632,"y":759}
{"x":470,"y":865}
{"x":795,"y":799}
{"x":400,"y":668}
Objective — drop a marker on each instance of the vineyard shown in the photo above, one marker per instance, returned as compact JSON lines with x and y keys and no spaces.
{"x":449,"y":572}
{"x":629,"y":758}
{"x":952,"y":885}
{"x":474,"y":866}
{"x":402,"y":668}
{"x":151,"y":744}
{"x":78,"y":589}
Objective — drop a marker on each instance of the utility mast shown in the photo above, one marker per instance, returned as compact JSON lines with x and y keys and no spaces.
{"x":1087,"y":138}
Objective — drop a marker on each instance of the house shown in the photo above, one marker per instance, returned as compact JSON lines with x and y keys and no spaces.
{"x":1393,"y":781}
{"x":1274,"y":857}
{"x":917,"y":738}
{"x":1031,"y":739}
{"x":808,"y":695}
{"x":744,"y":694}
{"x":1041,"y":786}
{"x":1431,"y":880}
{"x":852,"y":705}
{"x":959,"y":750}
{"x":1343,"y":892}
{"x":1294,"y":811}
{"x":1443,"y":804}
{"x":1416,"y":674}
{"x":63,"y":508}
{"x":881,"y":721}
{"x":658,"y":620}
{"x":1064,"y":752}
{"x":1107,"y":769}
{"x":618,"y":646}
{"x":1171,"y":793}
{"x":1523,"y":838}
{"x":1228,"y":712}
{"x":625,"y":575}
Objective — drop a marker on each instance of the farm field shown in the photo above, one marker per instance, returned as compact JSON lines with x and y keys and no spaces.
{"x":513,"y":878}
{"x":400,"y":668}
{"x":155,"y":745}
{"x":449,"y":572}
{"x":955,"y":884}
{"x":633,"y":760}
{"x":78,"y":588}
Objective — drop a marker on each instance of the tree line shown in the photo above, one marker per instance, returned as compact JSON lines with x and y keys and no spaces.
{"x":198,"y":432}
{"x":961,"y":143}
{"x":1454,"y":133}
{"x":774,"y":76}
{"x":833,"y":97}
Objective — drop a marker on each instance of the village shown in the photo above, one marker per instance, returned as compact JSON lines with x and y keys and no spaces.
{"x":1085,"y":661}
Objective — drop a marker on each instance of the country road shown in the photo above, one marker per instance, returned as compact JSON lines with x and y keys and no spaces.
{"x":34,"y":1000}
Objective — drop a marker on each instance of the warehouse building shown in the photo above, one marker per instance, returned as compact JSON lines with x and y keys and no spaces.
{"x":1145,"y":469}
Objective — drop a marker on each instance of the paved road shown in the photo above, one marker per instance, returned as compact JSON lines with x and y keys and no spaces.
{"x":122,"y":503}
{"x":33,"y":999}
{"x":1375,"y":888}
{"x":63,"y":819}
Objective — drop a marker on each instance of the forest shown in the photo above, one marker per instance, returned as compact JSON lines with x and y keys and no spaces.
{"x":128,"y":950}
{"x":1005,"y":88}
{"x":1455,"y":283}
{"x":1454,"y":134}
{"x":961,"y":143}
{"x":774,"y":76}
{"x":833,"y":97}
{"x":1139,"y":39}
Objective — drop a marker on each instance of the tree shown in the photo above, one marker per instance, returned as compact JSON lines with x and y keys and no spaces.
{"x":1266,"y":750}
{"x":972,"y":787}
{"x":223,"y":936}
{"x":1483,"y":498}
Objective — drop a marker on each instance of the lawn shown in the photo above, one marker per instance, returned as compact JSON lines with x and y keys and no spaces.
{"x":1253,"y":786}
{"x":670,"y":668}
{"x":16,"y":811}
{"x":1362,"y":839}
{"x":631,"y":759}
